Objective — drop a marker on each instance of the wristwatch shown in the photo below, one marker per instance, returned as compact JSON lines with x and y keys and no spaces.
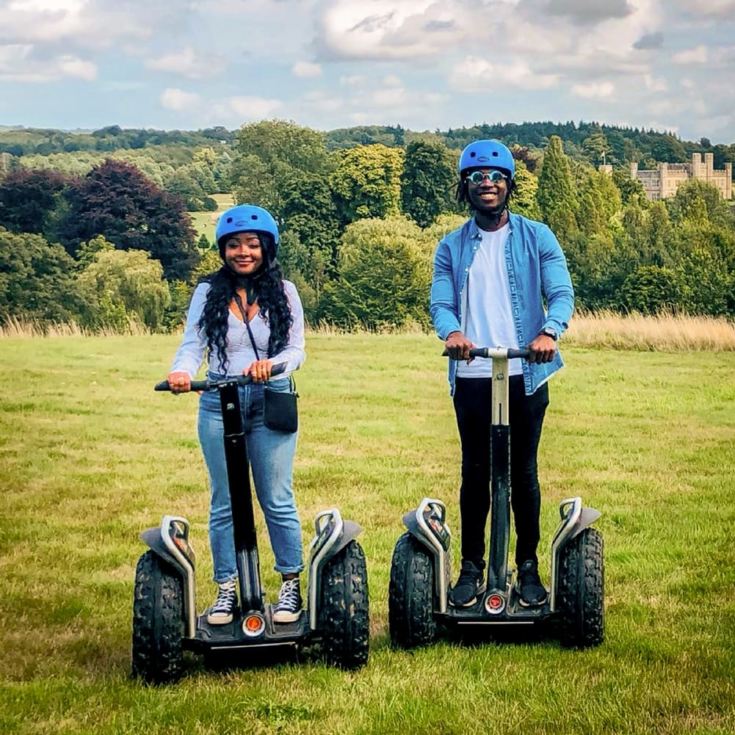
{"x":549,"y":332}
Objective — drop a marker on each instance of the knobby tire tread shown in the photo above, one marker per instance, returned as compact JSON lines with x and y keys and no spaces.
{"x":582,"y":591}
{"x":411,"y":595}
{"x":344,"y":609}
{"x":158,"y":621}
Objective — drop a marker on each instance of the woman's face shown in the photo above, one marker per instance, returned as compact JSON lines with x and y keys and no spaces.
{"x":244,"y":253}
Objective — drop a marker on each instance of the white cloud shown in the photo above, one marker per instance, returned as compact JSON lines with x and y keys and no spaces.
{"x":248,"y":108}
{"x":72,"y":66}
{"x":717,"y":8}
{"x":475,"y":74}
{"x":179,"y":100}
{"x":188,"y":63}
{"x":594,"y":90}
{"x":655,"y":84}
{"x":382,"y":29}
{"x":697,"y":55}
{"x":18,"y":64}
{"x":306,"y":70}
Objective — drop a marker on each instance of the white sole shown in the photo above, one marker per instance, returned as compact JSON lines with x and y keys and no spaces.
{"x":286,"y":617}
{"x":219,"y":619}
{"x":473,"y":601}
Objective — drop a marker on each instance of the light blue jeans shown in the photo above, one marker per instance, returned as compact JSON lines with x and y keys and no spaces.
{"x":271,"y":455}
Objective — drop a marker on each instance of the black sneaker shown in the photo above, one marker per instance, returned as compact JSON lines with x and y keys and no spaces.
{"x":288,"y":607}
{"x":224,"y":606}
{"x":470,"y":584}
{"x":528,"y":584}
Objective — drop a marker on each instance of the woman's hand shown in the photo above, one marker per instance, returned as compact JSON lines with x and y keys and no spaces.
{"x":260,"y":370}
{"x":179,"y":381}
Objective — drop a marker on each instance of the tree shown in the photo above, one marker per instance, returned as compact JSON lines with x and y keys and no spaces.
{"x":384,"y":276}
{"x":268,"y":154}
{"x":36,"y":279}
{"x":599,"y":202}
{"x":629,"y":187}
{"x":597,"y":146}
{"x":29,"y":200}
{"x":427,"y":179}
{"x":524,"y":199}
{"x":310,"y":214}
{"x":124,"y":286}
{"x":557,"y":195}
{"x":651,"y":289}
{"x":692,"y":196}
{"x":367,"y":182}
{"x":117,"y":201}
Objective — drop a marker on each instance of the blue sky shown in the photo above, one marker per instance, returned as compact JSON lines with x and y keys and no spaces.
{"x":423,"y":64}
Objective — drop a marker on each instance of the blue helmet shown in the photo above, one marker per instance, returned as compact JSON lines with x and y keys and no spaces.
{"x":487,"y":153}
{"x":245,"y":218}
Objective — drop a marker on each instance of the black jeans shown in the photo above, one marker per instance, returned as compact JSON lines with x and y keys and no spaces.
{"x":472,"y":404}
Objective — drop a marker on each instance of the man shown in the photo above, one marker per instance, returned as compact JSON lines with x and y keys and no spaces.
{"x":491,"y":277}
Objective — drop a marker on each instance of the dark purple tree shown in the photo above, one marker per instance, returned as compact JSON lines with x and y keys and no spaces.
{"x":117,"y":201}
{"x":29,"y":200}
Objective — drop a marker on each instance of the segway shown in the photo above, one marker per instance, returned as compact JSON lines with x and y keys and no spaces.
{"x":418,"y":603}
{"x":165,"y":622}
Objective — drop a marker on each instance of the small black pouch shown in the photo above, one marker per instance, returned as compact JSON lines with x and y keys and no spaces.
{"x":281,"y":409}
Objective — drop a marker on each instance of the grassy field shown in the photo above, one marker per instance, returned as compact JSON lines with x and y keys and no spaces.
{"x":90,"y":455}
{"x":204,"y":222}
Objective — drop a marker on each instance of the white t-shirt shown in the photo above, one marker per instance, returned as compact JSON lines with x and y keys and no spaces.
{"x":487,"y":317}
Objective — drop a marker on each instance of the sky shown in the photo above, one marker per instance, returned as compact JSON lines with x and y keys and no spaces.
{"x":422,"y":64}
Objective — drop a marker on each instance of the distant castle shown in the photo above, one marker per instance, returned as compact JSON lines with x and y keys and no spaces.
{"x":662,"y":182}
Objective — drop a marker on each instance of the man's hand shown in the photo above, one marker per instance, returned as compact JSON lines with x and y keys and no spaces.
{"x":543,"y":349}
{"x":458,"y":346}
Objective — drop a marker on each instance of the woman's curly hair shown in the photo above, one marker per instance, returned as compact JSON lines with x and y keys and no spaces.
{"x":268,"y":289}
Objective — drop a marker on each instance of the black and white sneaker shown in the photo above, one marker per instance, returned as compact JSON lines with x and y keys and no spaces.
{"x":469,"y":586}
{"x":288,"y":607}
{"x":224,"y":606}
{"x":531,"y":592}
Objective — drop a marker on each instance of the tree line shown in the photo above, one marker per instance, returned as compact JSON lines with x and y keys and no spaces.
{"x":111,"y":242}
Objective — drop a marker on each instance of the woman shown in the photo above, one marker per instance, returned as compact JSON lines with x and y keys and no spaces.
{"x":247,"y":318}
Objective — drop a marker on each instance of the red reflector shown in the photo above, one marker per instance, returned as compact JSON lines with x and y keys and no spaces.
{"x":253,"y":625}
{"x":496,"y":601}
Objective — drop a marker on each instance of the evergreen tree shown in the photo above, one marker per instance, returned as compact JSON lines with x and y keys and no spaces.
{"x":524,"y":199}
{"x":557,"y":195}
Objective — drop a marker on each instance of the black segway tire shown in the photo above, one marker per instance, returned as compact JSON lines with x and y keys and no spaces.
{"x":581,"y":591}
{"x":411,"y":595}
{"x":158,"y":621}
{"x":344,"y":615}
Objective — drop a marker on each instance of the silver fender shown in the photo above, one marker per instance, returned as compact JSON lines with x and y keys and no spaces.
{"x":170,"y":541}
{"x":418,"y":526}
{"x":574,"y":519}
{"x":331,"y":535}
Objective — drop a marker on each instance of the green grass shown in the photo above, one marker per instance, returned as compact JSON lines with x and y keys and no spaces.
{"x":204,"y":222}
{"x":90,"y":455}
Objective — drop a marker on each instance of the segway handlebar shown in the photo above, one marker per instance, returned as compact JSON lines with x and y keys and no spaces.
{"x":197,"y":385}
{"x":498,"y":352}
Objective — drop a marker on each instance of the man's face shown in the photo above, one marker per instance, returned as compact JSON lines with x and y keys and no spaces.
{"x":484,"y":193}
{"x":243,"y":253}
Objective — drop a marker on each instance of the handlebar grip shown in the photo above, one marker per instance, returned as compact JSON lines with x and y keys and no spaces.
{"x":207,"y":384}
{"x":508,"y":352}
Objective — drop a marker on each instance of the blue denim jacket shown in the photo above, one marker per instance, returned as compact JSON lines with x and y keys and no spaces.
{"x":537,"y":269}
